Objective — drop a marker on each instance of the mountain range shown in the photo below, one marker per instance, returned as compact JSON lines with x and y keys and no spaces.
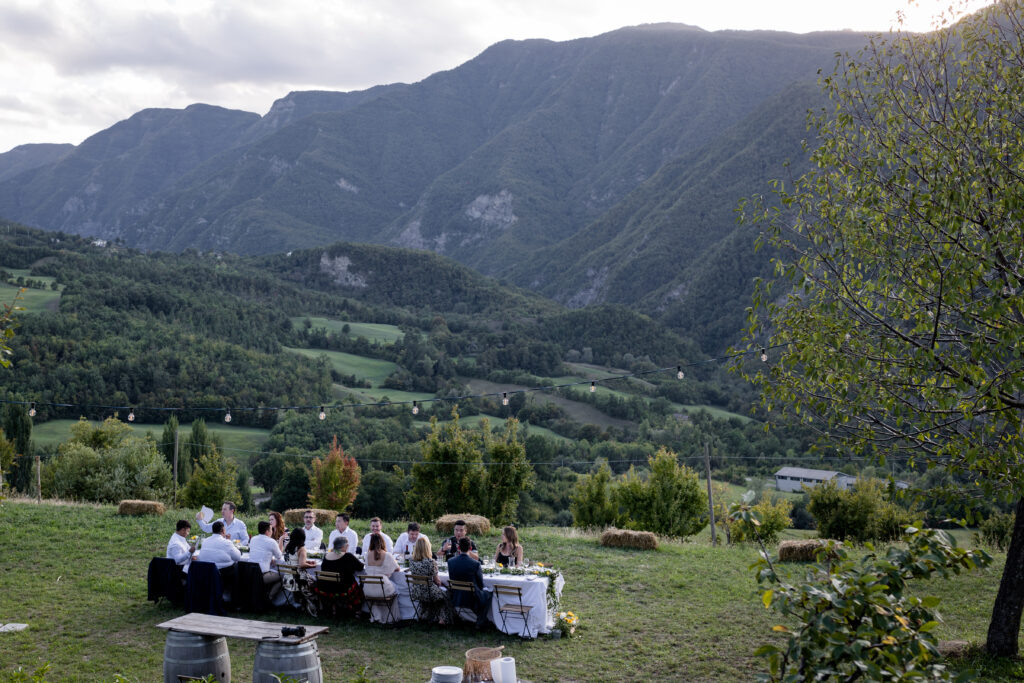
{"x":603,"y":169}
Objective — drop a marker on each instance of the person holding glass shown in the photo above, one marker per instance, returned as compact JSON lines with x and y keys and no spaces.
{"x":509,"y":552}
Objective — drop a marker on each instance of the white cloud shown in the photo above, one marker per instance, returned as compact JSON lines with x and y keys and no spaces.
{"x":69,"y":68}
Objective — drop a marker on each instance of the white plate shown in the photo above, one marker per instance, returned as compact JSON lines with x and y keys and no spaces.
{"x":206,"y":513}
{"x":531,"y":577}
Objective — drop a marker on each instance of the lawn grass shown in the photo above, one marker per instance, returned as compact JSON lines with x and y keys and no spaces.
{"x":32,"y":300}
{"x":372,"y":369}
{"x":77,"y":575}
{"x":241,"y":442}
{"x":386,"y":334}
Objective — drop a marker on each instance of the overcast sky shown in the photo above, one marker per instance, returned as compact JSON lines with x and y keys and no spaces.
{"x":70,"y":68}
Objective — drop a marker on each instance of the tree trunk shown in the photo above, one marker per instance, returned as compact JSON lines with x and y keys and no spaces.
{"x":1004,"y":628}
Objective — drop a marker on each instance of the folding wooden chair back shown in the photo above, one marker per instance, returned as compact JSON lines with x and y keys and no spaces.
{"x":328,"y":589}
{"x":463,"y":598}
{"x":510,"y":604}
{"x":375,"y":595}
{"x":423,"y":582}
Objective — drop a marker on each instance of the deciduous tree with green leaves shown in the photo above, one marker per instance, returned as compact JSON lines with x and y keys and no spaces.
{"x":334,"y":481}
{"x":903,"y":249}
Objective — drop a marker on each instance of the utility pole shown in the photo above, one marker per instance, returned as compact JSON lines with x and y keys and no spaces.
{"x":39,"y":481}
{"x":711,"y":501}
{"x":175,"y":467}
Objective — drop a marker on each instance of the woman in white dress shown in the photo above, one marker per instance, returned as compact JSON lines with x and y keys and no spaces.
{"x":379,"y":562}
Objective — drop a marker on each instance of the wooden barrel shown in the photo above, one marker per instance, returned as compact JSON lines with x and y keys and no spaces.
{"x":301,"y":662}
{"x":189,"y":654}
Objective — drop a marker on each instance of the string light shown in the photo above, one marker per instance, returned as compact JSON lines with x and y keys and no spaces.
{"x":593,"y":387}
{"x":679,"y":372}
{"x":764,"y":355}
{"x":323,"y":413}
{"x":32,"y":410}
{"x":415,"y":408}
{"x":227,"y":415}
{"x":504,"y":399}
{"x":131,"y":414}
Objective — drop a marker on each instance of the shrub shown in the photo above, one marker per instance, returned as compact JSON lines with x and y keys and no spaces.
{"x":591,"y":503}
{"x":627,"y":538}
{"x":213,"y":481}
{"x":292,"y":490}
{"x":856,"y":620}
{"x":140,"y":507}
{"x":996,"y":531}
{"x":860,"y":514}
{"x":773,"y":518}
{"x":107,"y":464}
{"x":334,"y":482}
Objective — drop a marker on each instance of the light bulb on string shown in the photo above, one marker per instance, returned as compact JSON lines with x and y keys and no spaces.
{"x":131,"y":414}
{"x":415,"y":408}
{"x":504,"y":399}
{"x":764,"y":355}
{"x":679,"y":372}
{"x":323,"y":413}
{"x":593,"y":387}
{"x":227,"y":415}
{"x":32,"y":409}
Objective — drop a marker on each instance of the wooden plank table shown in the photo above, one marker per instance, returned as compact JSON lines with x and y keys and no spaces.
{"x":263,"y":631}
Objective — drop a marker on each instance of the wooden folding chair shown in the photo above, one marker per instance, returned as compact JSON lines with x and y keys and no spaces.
{"x":467,"y":591}
{"x":513,"y":607}
{"x":424,"y":582}
{"x":294,"y":585}
{"x":329,"y":590}
{"x":376,"y":596}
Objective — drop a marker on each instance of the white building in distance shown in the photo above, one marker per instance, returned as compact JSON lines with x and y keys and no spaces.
{"x":795,"y":478}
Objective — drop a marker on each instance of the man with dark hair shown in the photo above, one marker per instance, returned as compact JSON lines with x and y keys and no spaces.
{"x":265,"y":551}
{"x":406,"y":543}
{"x":341,"y":528}
{"x":376,"y":527}
{"x":451,"y":544}
{"x":178,"y":548}
{"x":235,"y":527}
{"x":463,"y":567}
{"x":314,"y":534}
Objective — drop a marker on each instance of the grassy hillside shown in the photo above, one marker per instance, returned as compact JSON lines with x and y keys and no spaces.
{"x":385,"y":334}
{"x":684,"y":612}
{"x":238,"y":441}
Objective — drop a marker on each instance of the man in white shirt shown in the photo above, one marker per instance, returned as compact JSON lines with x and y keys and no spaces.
{"x":406,"y":543}
{"x":341,"y":528}
{"x":234,"y":527}
{"x":219,"y":549}
{"x":178,"y":548}
{"x":314,"y":536}
{"x":263,"y":549}
{"x":375,"y":526}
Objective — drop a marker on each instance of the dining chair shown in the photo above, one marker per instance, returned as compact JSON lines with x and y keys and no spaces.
{"x":423,"y":582}
{"x":463,"y":599}
{"x":376,"y":596}
{"x":512,"y":606}
{"x":329,"y":590}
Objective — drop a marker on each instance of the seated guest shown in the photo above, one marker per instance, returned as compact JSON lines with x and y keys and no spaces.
{"x":234,"y":527}
{"x":178,"y":548}
{"x":277,"y":528}
{"x":339,"y":560}
{"x":509,"y":552}
{"x":314,"y":535}
{"x":265,"y":551}
{"x":432,"y":598}
{"x":406,"y":543}
{"x":451,"y":544}
{"x":341,"y":528}
{"x":375,"y":528}
{"x":297,"y":548}
{"x":380,"y":562}
{"x":219,"y":549}
{"x":463,"y":567}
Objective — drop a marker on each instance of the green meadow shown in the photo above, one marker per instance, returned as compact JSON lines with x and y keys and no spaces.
{"x":238,"y":441}
{"x":76,"y":574}
{"x":386,"y":334}
{"x":372,"y":369}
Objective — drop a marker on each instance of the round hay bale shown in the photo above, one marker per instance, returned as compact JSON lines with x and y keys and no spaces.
{"x":141,"y":507}
{"x":475,"y":524}
{"x":627,"y":538}
{"x":323,"y":517}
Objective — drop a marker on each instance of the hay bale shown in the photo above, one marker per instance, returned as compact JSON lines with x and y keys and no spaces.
{"x":954,"y":649}
{"x":800,"y":551}
{"x":627,"y":538}
{"x":141,"y":507}
{"x":475,"y":524}
{"x":324,"y":518}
